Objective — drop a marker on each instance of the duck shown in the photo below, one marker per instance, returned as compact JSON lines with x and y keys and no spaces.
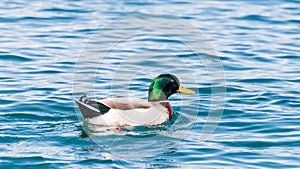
{"x":120,"y":111}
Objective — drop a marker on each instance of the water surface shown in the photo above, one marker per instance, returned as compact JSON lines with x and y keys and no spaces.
{"x":258,"y":43}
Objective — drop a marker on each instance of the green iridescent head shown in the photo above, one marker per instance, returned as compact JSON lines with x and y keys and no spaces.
{"x":164,"y":86}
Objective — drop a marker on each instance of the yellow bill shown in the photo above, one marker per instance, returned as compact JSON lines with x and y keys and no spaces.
{"x":185,"y":90}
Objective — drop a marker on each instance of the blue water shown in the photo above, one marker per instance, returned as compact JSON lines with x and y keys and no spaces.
{"x":258,"y":44}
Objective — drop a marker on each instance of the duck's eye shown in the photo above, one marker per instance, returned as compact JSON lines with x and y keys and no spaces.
{"x":174,"y":86}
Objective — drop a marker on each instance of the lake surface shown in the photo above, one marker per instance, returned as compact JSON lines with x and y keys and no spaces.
{"x":51,"y":52}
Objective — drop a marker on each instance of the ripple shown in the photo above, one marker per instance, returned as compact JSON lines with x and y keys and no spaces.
{"x":16,"y":58}
{"x":253,"y":18}
{"x":260,"y":80}
{"x":62,"y":10}
{"x":46,"y":72}
{"x":32,"y":18}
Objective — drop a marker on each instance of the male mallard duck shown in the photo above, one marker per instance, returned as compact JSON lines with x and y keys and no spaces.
{"x":134,"y":111}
